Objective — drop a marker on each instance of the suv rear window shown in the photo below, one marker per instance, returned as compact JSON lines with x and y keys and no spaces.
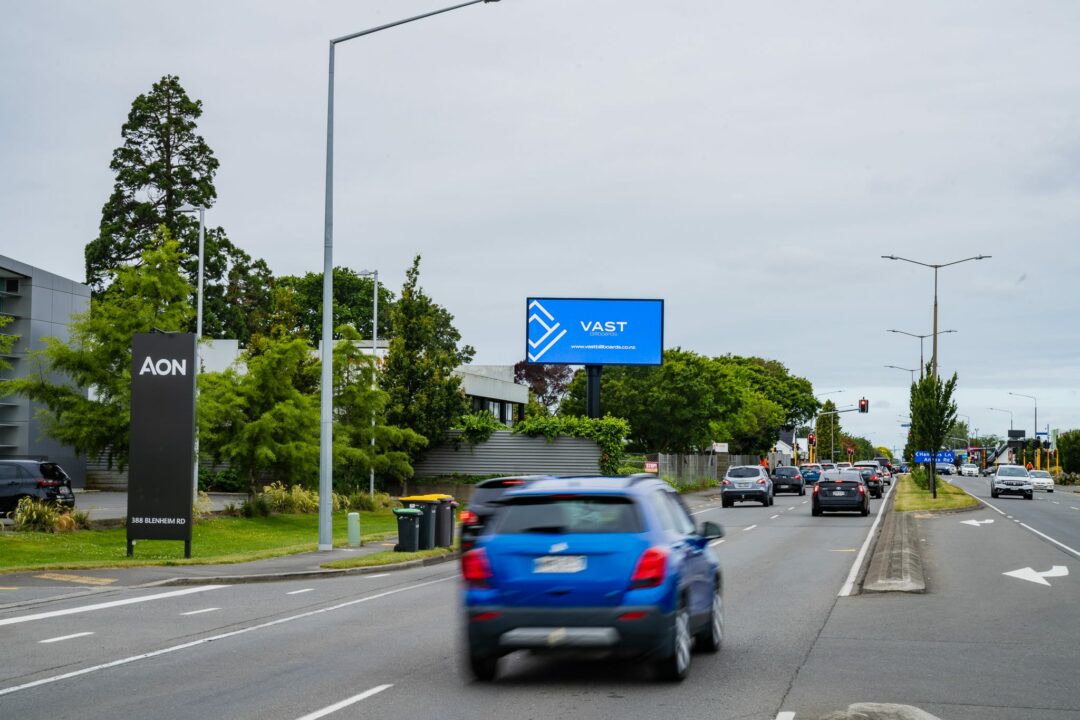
{"x":52,"y":471}
{"x":569,"y":514}
{"x":490,"y":490}
{"x":786,"y":472}
{"x":743,"y":472}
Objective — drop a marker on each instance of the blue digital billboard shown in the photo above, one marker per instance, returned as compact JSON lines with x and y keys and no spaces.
{"x":594,"y":331}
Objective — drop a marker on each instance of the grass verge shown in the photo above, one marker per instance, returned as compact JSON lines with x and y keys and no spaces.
{"x":215,"y":540}
{"x":386,"y":557}
{"x":910,"y":496}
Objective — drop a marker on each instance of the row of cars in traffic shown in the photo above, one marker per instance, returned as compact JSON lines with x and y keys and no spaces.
{"x":615,"y":565}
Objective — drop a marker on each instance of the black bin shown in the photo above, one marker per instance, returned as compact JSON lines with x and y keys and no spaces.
{"x":444,"y":522}
{"x":408,"y":527}
{"x":427,"y":518}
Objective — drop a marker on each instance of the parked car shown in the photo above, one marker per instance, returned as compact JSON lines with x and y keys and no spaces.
{"x":746,"y":482}
{"x":1011,"y":480}
{"x":840,"y":490}
{"x":34,"y":479}
{"x":483,"y":503}
{"x":969,"y":470}
{"x":872,"y":476}
{"x":810,"y":472}
{"x":1041,"y":480}
{"x":593,"y":564}
{"x":788,"y":479}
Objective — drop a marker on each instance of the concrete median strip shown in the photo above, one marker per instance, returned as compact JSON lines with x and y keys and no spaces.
{"x":896,"y":562}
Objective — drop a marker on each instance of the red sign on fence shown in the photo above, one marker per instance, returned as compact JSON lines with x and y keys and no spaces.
{"x":653,"y":467}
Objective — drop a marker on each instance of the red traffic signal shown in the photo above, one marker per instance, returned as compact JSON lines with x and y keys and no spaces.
{"x":864,"y":405}
{"x":811,"y":438}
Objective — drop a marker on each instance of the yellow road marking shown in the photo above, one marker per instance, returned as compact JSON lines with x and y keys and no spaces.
{"x":844,"y":550}
{"x":9,"y":588}
{"x":83,"y":579}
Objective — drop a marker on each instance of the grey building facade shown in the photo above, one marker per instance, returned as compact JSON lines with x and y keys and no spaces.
{"x":40,"y":305}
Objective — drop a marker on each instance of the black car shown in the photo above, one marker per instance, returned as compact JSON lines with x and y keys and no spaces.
{"x":483,"y":503}
{"x":840,"y":490}
{"x":788,"y":479}
{"x":34,"y":479}
{"x":871,"y":475}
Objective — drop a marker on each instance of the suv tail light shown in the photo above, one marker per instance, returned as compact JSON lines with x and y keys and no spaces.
{"x":475,"y":568}
{"x":48,"y":483}
{"x":862,"y":489}
{"x":650,"y":569}
{"x":817,"y":486}
{"x":761,"y":481}
{"x":468,"y":517}
{"x":726,"y":482}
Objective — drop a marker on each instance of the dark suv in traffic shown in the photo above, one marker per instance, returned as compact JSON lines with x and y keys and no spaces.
{"x":34,"y":479}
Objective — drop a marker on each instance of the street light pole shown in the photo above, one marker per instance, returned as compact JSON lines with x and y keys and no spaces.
{"x":922,"y":362}
{"x":910,"y":370}
{"x":1031,"y":397}
{"x":1005,"y":411}
{"x":936,"y":267}
{"x":326,"y":426}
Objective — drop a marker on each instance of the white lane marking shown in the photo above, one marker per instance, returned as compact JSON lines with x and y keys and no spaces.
{"x":1055,"y":502}
{"x":785,"y":716}
{"x":200,"y":612}
{"x":1025,"y":525}
{"x":213,"y":638}
{"x":1047,"y":537}
{"x":805,"y":501}
{"x":1074,"y":508}
{"x":64,"y":637}
{"x":105,"y":605}
{"x":749,"y":528}
{"x":705,"y":510}
{"x":774,"y":517}
{"x":1033,"y":575}
{"x":379,"y":575}
{"x":849,"y":584}
{"x":716,"y":542}
{"x":345,"y":703}
{"x":297,"y":592}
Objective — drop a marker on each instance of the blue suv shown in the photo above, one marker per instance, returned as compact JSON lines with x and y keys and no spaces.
{"x":610,"y":564}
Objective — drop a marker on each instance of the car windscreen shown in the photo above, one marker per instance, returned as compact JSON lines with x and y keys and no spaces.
{"x":742,"y":472}
{"x":1039,"y":474}
{"x":1012,"y":472}
{"x":786,"y":472}
{"x":568,"y":514}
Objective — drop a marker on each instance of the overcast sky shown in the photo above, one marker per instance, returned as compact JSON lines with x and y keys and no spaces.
{"x":747,"y":162}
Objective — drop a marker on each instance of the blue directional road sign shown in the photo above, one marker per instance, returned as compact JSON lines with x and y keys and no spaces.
{"x":944,"y":456}
{"x":922,"y":456}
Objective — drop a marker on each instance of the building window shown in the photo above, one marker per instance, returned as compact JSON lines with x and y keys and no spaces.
{"x":11,"y":285}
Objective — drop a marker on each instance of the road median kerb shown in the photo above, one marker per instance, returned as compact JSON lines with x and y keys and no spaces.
{"x":896,"y":558}
{"x":301,"y":574}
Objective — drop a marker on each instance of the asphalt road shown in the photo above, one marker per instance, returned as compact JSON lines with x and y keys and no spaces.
{"x":387,"y":644}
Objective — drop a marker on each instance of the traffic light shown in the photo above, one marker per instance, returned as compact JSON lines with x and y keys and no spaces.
{"x":864,"y":405}
{"x":812,"y":439}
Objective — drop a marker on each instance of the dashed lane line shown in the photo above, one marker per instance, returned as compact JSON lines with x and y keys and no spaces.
{"x":774,"y":517}
{"x":200,"y":612}
{"x":300,"y":592}
{"x":749,"y":528}
{"x":345,"y":703}
{"x":105,"y":605}
{"x":64,"y":637}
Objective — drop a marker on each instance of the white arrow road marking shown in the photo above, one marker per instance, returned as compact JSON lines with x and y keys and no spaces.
{"x":976,"y":523}
{"x":1039,"y":578}
{"x":785,"y":716}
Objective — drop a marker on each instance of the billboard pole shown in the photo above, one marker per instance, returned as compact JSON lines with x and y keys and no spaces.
{"x":592,"y":390}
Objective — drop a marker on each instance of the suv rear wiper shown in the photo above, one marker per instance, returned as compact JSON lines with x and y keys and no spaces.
{"x":547,"y":529}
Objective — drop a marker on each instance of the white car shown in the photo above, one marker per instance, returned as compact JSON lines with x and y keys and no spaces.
{"x":969,"y":470}
{"x":1042,"y":480}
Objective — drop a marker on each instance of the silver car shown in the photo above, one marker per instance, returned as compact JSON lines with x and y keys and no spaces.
{"x":1042,"y":480}
{"x":1011,"y":480}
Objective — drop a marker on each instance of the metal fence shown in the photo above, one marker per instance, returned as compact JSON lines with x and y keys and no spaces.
{"x":509,"y":453}
{"x":693,"y":469}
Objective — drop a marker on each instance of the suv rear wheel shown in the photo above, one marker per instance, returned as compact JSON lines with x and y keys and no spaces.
{"x":675,"y":667}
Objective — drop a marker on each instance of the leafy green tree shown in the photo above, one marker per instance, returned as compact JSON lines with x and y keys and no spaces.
{"x":353,"y":304}
{"x":672,"y":408}
{"x":933,"y":413}
{"x":424,"y":394}
{"x":7,"y":343}
{"x":771,"y":379}
{"x":883,"y":451}
{"x":829,"y":432}
{"x":163,"y":165}
{"x":755,"y":427}
{"x":547,"y":383}
{"x":356,"y":405}
{"x":150,"y":295}
{"x":1068,"y":447}
{"x":265,"y":421}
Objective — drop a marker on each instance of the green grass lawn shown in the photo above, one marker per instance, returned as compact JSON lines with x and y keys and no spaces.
{"x":910,"y":496}
{"x":215,"y":540}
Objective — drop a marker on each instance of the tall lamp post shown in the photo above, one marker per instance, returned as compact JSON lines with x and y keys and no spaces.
{"x":326,"y":539}
{"x":1005,"y":411}
{"x":198,"y":337}
{"x":935,"y":267}
{"x":375,"y":363}
{"x":910,"y":370}
{"x":1032,"y":398}
{"x":922,"y":362}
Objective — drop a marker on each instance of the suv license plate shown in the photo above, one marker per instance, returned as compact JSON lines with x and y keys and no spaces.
{"x":559,"y":564}
{"x":838,"y":493}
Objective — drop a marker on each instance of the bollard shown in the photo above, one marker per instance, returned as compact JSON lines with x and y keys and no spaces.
{"x":354,"y":529}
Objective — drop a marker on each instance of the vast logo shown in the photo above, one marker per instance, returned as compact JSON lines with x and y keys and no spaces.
{"x":163,"y":366}
{"x":549,"y":327}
